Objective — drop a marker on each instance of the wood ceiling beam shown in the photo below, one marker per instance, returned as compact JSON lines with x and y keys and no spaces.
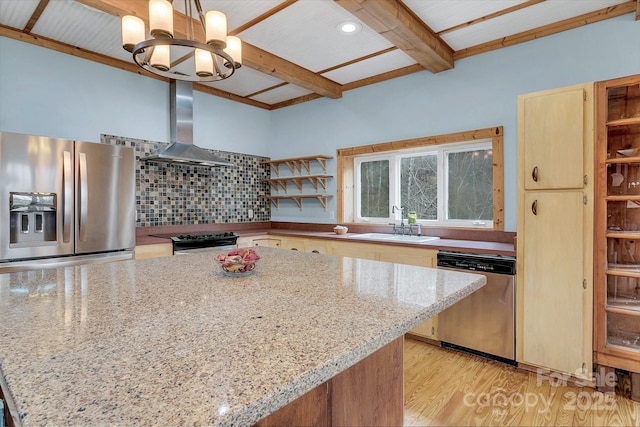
{"x":268,"y":63}
{"x":74,"y":51}
{"x":113,"y":62}
{"x":500,"y":12}
{"x":556,"y":27}
{"x":252,"y":56}
{"x":36,"y":15}
{"x":395,"y":22}
{"x":637,"y":10}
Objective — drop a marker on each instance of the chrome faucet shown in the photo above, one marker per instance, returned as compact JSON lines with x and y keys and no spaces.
{"x":394,"y":208}
{"x":401,"y":228}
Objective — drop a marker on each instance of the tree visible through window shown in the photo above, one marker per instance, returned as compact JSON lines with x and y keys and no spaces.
{"x":451,"y":180}
{"x":374,"y":189}
{"x":470,"y":186}
{"x":447,"y":184}
{"x":419,"y":185}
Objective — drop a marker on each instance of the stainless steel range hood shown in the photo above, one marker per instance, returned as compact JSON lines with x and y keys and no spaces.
{"x":182,"y":150}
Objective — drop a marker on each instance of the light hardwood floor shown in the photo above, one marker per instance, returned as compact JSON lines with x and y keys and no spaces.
{"x":449,"y":388}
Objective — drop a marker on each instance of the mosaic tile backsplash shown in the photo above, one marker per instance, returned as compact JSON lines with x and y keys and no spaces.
{"x":173,"y":194}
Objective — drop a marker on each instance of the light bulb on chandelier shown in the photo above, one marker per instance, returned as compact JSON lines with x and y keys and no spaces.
{"x":196,"y":61}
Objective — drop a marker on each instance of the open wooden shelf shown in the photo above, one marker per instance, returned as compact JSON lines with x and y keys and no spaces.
{"x":624,"y":272}
{"x":623,"y":160}
{"x":315,"y":180}
{"x":623,"y":234}
{"x":322,"y":198}
{"x":622,"y":309}
{"x":297,"y":163}
{"x":624,"y":198}
{"x":624,"y":122}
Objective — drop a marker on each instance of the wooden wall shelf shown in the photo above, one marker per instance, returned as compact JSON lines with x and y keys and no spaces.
{"x":315,"y":180}
{"x":322,"y":198}
{"x":297,"y":163}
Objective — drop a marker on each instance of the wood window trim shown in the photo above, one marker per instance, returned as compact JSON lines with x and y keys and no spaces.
{"x":346,"y":170}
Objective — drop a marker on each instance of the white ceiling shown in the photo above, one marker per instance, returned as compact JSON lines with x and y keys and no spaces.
{"x":304,"y":34}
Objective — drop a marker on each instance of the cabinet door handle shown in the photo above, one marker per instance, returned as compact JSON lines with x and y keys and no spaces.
{"x":534,"y":174}
{"x":534,"y":207}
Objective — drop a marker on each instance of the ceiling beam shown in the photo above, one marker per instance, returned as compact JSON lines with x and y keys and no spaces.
{"x":493,"y":15}
{"x":546,"y":30}
{"x":252,"y":56}
{"x":637,"y":10}
{"x":74,"y":51}
{"x":395,"y":22}
{"x":113,"y":62}
{"x":268,"y":63}
{"x":35,"y":16}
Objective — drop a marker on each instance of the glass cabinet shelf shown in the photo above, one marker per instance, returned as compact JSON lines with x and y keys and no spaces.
{"x":622,"y":328}
{"x":623,"y":102}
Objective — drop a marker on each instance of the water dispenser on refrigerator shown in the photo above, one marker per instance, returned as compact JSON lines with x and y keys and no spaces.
{"x":32,"y":219}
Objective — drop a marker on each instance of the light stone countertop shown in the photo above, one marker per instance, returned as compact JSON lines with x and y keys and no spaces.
{"x":170,"y":341}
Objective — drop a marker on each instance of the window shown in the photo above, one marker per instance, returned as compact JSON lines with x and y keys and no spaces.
{"x":448,"y":181}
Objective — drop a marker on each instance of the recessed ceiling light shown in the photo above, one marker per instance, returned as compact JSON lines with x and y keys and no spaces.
{"x":349,"y":27}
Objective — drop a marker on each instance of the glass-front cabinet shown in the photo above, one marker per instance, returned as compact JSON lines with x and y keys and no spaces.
{"x":617,"y":238}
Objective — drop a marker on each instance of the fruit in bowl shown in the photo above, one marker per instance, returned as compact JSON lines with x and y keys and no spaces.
{"x":240,"y":262}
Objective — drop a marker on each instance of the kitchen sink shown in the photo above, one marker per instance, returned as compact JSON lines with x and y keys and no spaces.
{"x":394,"y":237}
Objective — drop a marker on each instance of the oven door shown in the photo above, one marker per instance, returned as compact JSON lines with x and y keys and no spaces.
{"x":204,"y":249}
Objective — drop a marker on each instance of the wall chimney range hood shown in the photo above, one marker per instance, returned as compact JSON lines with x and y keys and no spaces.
{"x":182,"y":150}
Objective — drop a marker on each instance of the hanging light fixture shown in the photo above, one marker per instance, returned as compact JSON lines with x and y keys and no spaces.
{"x":215,"y":59}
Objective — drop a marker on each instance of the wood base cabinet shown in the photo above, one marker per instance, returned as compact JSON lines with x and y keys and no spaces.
{"x":617,"y":226}
{"x":153,"y":251}
{"x":554,"y":304}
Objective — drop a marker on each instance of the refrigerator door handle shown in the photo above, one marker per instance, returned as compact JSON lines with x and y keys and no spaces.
{"x":67,"y":196}
{"x":84,"y":201}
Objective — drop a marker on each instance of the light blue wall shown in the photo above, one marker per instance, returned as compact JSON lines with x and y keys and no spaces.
{"x":44,"y":92}
{"x":480,"y":92}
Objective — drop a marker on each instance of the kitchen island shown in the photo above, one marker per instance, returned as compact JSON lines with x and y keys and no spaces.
{"x":171,"y":341}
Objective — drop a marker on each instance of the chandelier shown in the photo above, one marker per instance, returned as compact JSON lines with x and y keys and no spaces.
{"x":195,"y":61}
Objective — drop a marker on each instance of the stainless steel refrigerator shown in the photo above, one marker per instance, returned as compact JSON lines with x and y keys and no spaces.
{"x":64,"y":202}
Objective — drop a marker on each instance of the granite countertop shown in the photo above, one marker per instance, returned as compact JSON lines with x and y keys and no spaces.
{"x":170,"y":341}
{"x":473,"y":246}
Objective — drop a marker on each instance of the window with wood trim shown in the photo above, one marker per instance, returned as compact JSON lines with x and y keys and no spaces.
{"x":453,"y":180}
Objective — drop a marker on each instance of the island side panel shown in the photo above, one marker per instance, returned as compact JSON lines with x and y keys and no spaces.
{"x":310,"y":409}
{"x":371,"y":392}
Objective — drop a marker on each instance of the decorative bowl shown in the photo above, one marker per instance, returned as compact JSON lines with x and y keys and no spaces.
{"x":340,"y":229}
{"x":238,"y":262}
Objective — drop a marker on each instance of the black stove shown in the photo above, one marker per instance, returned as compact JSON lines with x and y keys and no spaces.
{"x":199,"y":242}
{"x":213,"y":238}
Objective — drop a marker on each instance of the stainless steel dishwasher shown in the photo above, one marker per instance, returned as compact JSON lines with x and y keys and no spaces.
{"x":483,"y":322}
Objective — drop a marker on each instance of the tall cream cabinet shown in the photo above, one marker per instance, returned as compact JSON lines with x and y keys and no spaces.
{"x":554,"y":320}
